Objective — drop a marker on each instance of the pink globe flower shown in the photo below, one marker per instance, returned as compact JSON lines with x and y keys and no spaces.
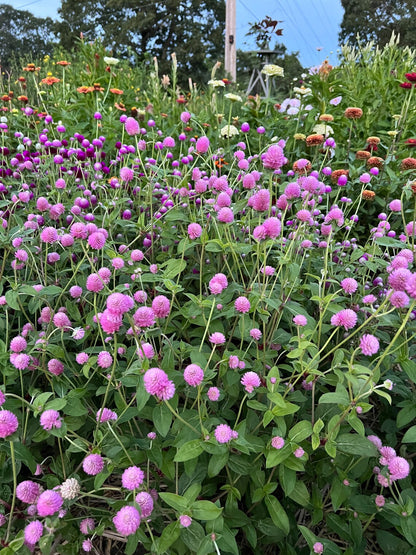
{"x":104,"y":359}
{"x":369,"y":344}
{"x":272,"y":227}
{"x":87,"y":526}
{"x":131,"y":126}
{"x":132,"y":477}
{"x":217,"y":338}
{"x":250,"y":380}
{"x":260,"y":201}
{"x":105,"y":415}
{"x":61,"y":321}
{"x":318,"y":548}
{"x":399,"y":468}
{"x":161,"y":306}
{"x":50,"y":419}
{"x":146,"y":351}
{"x":194,"y":231}
{"x":300,"y":320}
{"x":213,"y":393}
{"x":346,"y":318}
{"x":225,"y":215}
{"x":349,"y":285}
{"x":277,"y":442}
{"x":18,"y":344}
{"x":28,"y":491}
{"x":93,"y":464}
{"x":242,"y":304}
{"x":145,"y":502}
{"x":49,"y":503}
{"x":96,"y":240}
{"x":33,"y":532}
{"x":185,"y":521}
{"x":380,"y":501}
{"x":8,"y":423}
{"x":144,"y":317}
{"x":274,"y":158}
{"x":156,"y":382}
{"x":127,"y":520}
{"x":255,"y":334}
{"x":87,"y":545}
{"x":223,"y":433}
{"x":49,"y":235}
{"x":94,"y":283}
{"x":202,"y":145}
{"x":193,"y":375}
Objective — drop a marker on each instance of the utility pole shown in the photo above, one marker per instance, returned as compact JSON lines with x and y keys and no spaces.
{"x":230,"y":46}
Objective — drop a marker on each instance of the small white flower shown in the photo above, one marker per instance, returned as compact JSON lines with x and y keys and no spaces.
{"x":216,"y":83}
{"x":228,"y":131}
{"x":70,"y":488}
{"x":111,"y":61}
{"x":233,"y":97}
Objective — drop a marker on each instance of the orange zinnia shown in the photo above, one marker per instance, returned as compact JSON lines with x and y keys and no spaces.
{"x":84,"y":89}
{"x":50,"y":80}
{"x":63,"y":63}
{"x":116,"y":91}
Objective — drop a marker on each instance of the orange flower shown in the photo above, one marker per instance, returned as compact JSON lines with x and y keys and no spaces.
{"x":313,"y":140}
{"x":120,"y":106}
{"x":97,"y":87}
{"x":31,"y":67}
{"x":23,"y":98}
{"x":368,"y":195}
{"x":116,"y":91}
{"x":84,"y":89}
{"x":220,"y":163}
{"x":63,"y":63}
{"x":408,"y":164}
{"x":373,"y":141}
{"x":336,"y":174}
{"x":5,"y":98}
{"x":326,"y":117}
{"x":362,"y":155}
{"x":50,"y":80}
{"x":375,"y":162}
{"x":353,"y":113}
{"x":22,"y":79}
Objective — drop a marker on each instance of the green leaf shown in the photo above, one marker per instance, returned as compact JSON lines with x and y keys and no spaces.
{"x":205,"y":510}
{"x":353,"y":444}
{"x":23,"y":454}
{"x":217,"y":463}
{"x":162,"y":419}
{"x":300,"y":494}
{"x":175,"y":501}
{"x":189,"y":450}
{"x":192,"y":536}
{"x":277,"y":513}
{"x":287,"y":478}
{"x":173,"y":268}
{"x":336,"y":398}
{"x":300,"y":431}
{"x":409,"y":367}
{"x":11,"y":299}
{"x":410,"y":435}
{"x":169,"y":536}
{"x":276,"y":456}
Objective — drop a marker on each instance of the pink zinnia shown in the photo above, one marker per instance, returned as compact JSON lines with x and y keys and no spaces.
{"x":161,"y":306}
{"x":274,"y":158}
{"x":145,"y":502}
{"x":49,"y":503}
{"x":127,"y":520}
{"x":28,"y":491}
{"x":369,"y":344}
{"x":277,"y":442}
{"x":33,"y":532}
{"x":8,"y":423}
{"x":194,"y":231}
{"x":223,"y":433}
{"x":93,"y":464}
{"x":242,"y":304}
{"x":193,"y":375}
{"x":132,"y":477}
{"x":346,"y":318}
{"x":217,"y":338}
{"x":50,"y":419}
{"x":250,"y":380}
{"x":399,"y":468}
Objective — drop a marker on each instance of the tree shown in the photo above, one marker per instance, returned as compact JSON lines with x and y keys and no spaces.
{"x":377,"y":19}
{"x":194,"y":29}
{"x":22,"y":33}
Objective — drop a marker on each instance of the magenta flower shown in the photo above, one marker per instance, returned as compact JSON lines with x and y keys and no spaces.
{"x":146,"y":351}
{"x":202,"y":145}
{"x":18,"y":344}
{"x":132,"y":477}
{"x":33,"y":532}
{"x":97,"y":240}
{"x":272,"y":227}
{"x":225,"y":215}
{"x":194,"y":231}
{"x":156,"y":382}
{"x":87,"y":526}
{"x":346,"y":318}
{"x":223,"y":433}
{"x":213,"y":393}
{"x":94,"y":283}
{"x":255,"y":334}
{"x":127,"y":520}
{"x":260,"y":201}
{"x":104,"y":359}
{"x":185,"y":521}
{"x":242,"y":304}
{"x":274,"y":158}
{"x":399,"y":468}
{"x":8,"y":423}
{"x":193,"y":375}
{"x":105,"y":415}
{"x":318,"y":548}
{"x":145,"y":502}
{"x":217,"y":338}
{"x":250,"y":380}
{"x":93,"y":464}
{"x":28,"y":491}
{"x":161,"y":306}
{"x":49,"y":503}
{"x":50,"y":419}
{"x":380,"y":501}
{"x":300,"y":320}
{"x":132,"y":126}
{"x":349,"y":285}
{"x":49,"y":235}
{"x":144,"y":317}
{"x":369,"y":344}
{"x":277,"y":442}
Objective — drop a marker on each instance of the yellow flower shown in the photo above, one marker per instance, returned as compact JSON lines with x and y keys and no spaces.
{"x":392,"y":133}
{"x":299,"y":137}
{"x":273,"y":70}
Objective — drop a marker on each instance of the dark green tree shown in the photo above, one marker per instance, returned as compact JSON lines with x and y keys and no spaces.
{"x":377,"y":19}
{"x":23,"y":34}
{"x":194,"y":29}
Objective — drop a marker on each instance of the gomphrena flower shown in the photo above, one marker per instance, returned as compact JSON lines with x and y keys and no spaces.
{"x":127,"y":520}
{"x":156,"y":382}
{"x":277,"y":442}
{"x":399,"y":468}
{"x":8,"y":423}
{"x":255,"y":334}
{"x":18,"y":344}
{"x":224,"y":434}
{"x":349,"y":285}
{"x":28,"y":491}
{"x":274,"y":158}
{"x":49,"y":503}
{"x":318,"y":548}
{"x":161,"y":306}
{"x":70,"y":488}
{"x":33,"y":532}
{"x":131,"y":126}
{"x":132,"y":477}
{"x":145,"y":502}
{"x":217,"y":338}
{"x":87,"y":526}
{"x":185,"y":521}
{"x":202,"y":145}
{"x":93,"y":464}
{"x":193,"y":375}
{"x":369,"y":344}
{"x":50,"y":419}
{"x":250,"y":380}
{"x":213,"y":393}
{"x":104,"y":359}
{"x":242,"y":304}
{"x":300,"y":320}
{"x":346,"y":318}
{"x":194,"y":230}
{"x":105,"y":415}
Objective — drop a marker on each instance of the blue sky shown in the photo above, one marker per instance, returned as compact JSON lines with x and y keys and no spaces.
{"x":307,"y":24}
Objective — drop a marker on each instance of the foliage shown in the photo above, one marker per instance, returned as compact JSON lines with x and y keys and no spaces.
{"x":375,"y":20}
{"x":208,"y":237}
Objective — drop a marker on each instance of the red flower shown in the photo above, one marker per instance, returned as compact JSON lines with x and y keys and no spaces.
{"x":410,"y":142}
{"x":411,"y":76}
{"x":406,"y":85}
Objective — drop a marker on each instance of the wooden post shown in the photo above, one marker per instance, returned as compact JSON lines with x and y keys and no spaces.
{"x":230,"y":39}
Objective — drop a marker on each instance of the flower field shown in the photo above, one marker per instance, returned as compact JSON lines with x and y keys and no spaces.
{"x":207,"y":309}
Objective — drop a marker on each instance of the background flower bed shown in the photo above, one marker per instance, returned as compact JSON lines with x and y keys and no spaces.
{"x":207,"y":308}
